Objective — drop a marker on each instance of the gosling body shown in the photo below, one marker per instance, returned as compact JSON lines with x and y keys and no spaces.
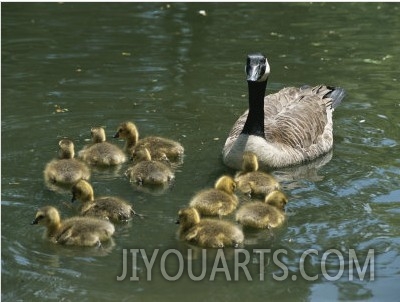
{"x":65,"y":170}
{"x":107,"y":207}
{"x":160,"y":148}
{"x":101,"y":152}
{"x":220,"y":200}
{"x":267,"y":214}
{"x":253,"y":182}
{"x":207,"y":232}
{"x":149,"y":172}
{"x":81,"y":231}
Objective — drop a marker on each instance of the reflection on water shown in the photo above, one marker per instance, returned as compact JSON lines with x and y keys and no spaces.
{"x":178,"y":72}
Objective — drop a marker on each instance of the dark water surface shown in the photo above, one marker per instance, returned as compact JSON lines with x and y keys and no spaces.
{"x":177,"y":70}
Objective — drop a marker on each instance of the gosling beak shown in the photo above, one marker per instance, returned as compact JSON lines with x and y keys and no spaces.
{"x":35,"y":221}
{"x":73,"y":198}
{"x":177,"y":221}
{"x":116,"y":135}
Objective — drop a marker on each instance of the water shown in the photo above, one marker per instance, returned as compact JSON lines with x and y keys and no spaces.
{"x":177,"y":71}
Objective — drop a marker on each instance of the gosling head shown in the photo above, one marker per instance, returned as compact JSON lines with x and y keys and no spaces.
{"x":142,"y":154}
{"x":83,"y":191}
{"x":127,"y":130}
{"x":277,"y":199}
{"x":47,"y":216}
{"x":98,"y":134}
{"x":257,"y":68}
{"x":66,"y":149}
{"x":188,"y":217}
{"x":250,"y":162}
{"x":225,"y":183}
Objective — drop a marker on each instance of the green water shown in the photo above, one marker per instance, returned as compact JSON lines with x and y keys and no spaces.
{"x":177,"y":70}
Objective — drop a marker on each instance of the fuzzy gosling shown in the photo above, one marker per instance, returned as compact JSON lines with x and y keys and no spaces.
{"x":220,"y":200}
{"x":101,"y":152}
{"x":65,"y":170}
{"x":211,"y":233}
{"x":106,"y":207}
{"x":82,"y":231}
{"x":267,"y":214}
{"x":252,"y":182}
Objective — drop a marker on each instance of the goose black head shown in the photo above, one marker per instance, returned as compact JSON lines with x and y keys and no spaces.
{"x":257,"y":68}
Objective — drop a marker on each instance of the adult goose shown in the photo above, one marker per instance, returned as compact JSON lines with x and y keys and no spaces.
{"x":286,"y":128}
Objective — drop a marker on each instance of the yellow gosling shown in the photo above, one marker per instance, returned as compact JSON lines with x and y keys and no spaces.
{"x":160,"y":148}
{"x":82,"y":231}
{"x":220,"y":200}
{"x":66,"y":169}
{"x":252,"y":182}
{"x":211,"y":233}
{"x":101,"y":152}
{"x":107,"y":207}
{"x":267,"y":214}
{"x":149,"y":172}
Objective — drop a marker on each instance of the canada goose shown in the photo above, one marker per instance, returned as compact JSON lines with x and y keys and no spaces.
{"x":149,"y":172}
{"x":101,"y":152}
{"x":267,"y":214}
{"x":83,"y":231}
{"x":294,"y":125}
{"x":207,"y":232}
{"x":253,"y":182}
{"x":65,"y":170}
{"x":108,"y":207}
{"x":220,"y":200}
{"x":160,"y":148}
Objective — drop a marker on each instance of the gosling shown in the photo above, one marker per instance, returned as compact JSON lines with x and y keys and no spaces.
{"x":66,"y":170}
{"x":101,"y":152}
{"x":149,"y":172}
{"x":252,"y":182}
{"x":267,"y":214}
{"x":207,"y":232}
{"x":160,"y":148}
{"x":81,"y":231}
{"x":220,"y":200}
{"x":110,"y":208}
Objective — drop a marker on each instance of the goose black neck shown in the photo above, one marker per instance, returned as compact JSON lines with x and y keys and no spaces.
{"x":255,"y":119}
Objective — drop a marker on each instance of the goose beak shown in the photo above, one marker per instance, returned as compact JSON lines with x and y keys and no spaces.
{"x":253,"y":73}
